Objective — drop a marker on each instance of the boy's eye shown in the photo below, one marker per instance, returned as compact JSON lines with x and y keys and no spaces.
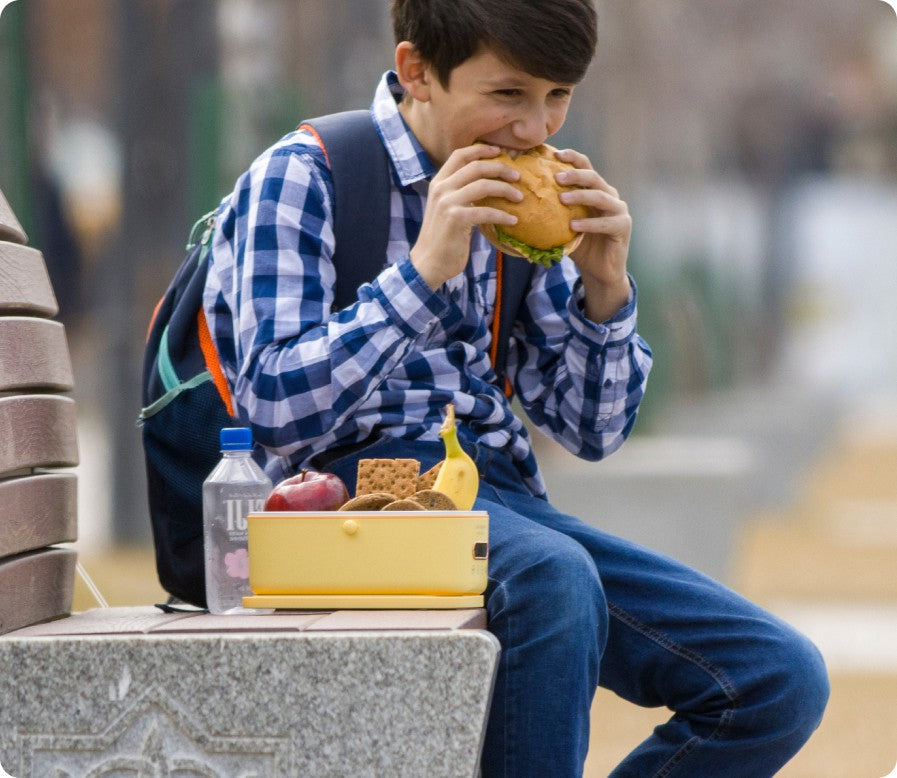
{"x":509,"y":92}
{"x":560,"y":92}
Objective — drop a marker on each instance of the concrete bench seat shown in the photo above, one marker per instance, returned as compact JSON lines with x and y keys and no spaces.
{"x":361,"y":693}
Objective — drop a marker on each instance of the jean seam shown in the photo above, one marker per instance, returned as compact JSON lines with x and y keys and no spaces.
{"x":508,"y":720}
{"x":716,"y":673}
{"x":497,"y":496}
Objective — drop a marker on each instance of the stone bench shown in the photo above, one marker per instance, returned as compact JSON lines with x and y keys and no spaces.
{"x":134,"y":691}
{"x":361,"y":693}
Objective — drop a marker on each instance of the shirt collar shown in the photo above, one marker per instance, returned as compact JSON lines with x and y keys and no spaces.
{"x":409,"y":158}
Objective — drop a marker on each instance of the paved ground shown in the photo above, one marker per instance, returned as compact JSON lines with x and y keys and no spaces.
{"x":789,"y":501}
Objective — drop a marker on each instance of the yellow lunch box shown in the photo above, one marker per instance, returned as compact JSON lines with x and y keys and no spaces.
{"x":368,"y":558}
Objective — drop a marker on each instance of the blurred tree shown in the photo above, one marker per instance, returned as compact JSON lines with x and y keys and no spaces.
{"x":165,"y":45}
{"x":13,"y":119}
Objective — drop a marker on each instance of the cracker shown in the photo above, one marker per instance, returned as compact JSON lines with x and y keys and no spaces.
{"x":434,"y":501}
{"x":369,"y":502}
{"x":396,"y":476}
{"x":427,"y":479}
{"x":404,"y":505}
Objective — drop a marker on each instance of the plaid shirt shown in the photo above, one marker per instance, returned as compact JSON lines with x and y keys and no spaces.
{"x":308,"y":379}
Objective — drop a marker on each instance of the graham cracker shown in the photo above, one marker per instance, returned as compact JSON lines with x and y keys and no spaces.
{"x":395,"y":476}
{"x":427,"y":479}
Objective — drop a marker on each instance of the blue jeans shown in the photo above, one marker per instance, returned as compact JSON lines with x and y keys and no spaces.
{"x":574,"y":607}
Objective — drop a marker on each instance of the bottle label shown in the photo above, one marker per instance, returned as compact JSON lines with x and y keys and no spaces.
{"x":237,"y":509}
{"x":226,"y":548}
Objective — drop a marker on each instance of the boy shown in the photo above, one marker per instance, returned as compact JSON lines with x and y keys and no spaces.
{"x":571,"y":606}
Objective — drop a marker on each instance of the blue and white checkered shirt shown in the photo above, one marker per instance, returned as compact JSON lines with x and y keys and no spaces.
{"x":307,"y":379}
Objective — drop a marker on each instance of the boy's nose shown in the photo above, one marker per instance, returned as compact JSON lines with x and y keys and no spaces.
{"x":532,"y":128}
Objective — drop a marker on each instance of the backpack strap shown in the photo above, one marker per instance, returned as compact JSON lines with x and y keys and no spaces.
{"x":360,"y":167}
{"x":361,"y":172}
{"x":514,"y":275}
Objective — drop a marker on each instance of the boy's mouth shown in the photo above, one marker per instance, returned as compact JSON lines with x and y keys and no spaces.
{"x":512,"y":152}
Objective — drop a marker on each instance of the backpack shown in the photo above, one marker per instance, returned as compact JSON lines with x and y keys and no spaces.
{"x":186,"y":399}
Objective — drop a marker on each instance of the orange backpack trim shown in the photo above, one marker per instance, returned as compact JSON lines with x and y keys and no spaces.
{"x":496,"y":320}
{"x":152,"y":321}
{"x":308,"y":128}
{"x":210,"y":355}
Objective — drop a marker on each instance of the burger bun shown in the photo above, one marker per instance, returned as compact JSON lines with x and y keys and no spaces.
{"x":543,"y":221}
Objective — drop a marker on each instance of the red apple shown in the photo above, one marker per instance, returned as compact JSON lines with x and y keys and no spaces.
{"x":308,"y":491}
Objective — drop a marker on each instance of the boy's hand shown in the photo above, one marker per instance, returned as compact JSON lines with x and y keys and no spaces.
{"x":469,"y":174}
{"x":602,"y":255}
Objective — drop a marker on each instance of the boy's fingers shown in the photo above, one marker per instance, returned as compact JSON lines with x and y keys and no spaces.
{"x":584,"y":175}
{"x":620,"y":225}
{"x":609,"y":202}
{"x":467,"y":154}
{"x":483,"y":215}
{"x":489,"y":187}
{"x":483,"y":170}
{"x":574,"y":157}
{"x":489,"y":169}
{"x":585,"y":178}
{"x":477,"y":180}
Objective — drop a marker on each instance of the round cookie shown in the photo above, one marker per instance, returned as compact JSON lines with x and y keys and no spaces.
{"x":368,"y":502}
{"x":403,"y":505}
{"x":434,"y":501}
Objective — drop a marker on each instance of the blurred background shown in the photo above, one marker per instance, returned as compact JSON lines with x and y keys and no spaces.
{"x":757,"y":150}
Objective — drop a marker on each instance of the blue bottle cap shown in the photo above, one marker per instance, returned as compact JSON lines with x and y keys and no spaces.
{"x":236,"y":439}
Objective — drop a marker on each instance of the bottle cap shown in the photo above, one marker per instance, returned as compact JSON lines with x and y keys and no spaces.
{"x":236,"y":439}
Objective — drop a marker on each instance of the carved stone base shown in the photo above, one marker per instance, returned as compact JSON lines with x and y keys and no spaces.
{"x":283,"y":698}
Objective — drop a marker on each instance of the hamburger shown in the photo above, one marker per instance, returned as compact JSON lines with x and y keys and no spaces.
{"x":542,"y":233}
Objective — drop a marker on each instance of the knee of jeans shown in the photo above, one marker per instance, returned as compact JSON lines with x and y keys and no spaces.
{"x":795,"y":685}
{"x":558,"y":586}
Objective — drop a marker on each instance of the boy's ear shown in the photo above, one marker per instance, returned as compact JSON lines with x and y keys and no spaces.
{"x":413,"y":72}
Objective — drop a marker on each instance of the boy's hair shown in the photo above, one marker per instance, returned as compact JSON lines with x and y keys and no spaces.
{"x":550,"y":39}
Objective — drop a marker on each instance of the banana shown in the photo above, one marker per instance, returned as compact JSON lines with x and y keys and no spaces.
{"x":458,"y":477}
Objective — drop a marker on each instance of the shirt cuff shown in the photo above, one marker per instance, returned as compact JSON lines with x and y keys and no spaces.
{"x":407,"y":299}
{"x":616,"y":330}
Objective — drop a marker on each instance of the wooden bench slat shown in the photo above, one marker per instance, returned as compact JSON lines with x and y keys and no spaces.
{"x":10,"y":229}
{"x":36,"y":587}
{"x":37,"y":430}
{"x":25,"y":286}
{"x":34,"y":354}
{"x":37,"y":511}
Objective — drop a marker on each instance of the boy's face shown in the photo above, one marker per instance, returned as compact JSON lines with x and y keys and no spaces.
{"x":488,"y":100}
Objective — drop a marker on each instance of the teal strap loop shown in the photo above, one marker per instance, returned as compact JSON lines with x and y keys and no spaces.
{"x":167,"y":373}
{"x":165,"y":399}
{"x":206,"y":223}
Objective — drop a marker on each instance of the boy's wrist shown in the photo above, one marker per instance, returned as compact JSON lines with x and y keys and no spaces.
{"x":407,"y":300}
{"x":426,"y":268}
{"x":602,"y":300}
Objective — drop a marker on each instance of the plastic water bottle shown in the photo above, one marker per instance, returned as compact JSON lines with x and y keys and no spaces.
{"x":235,"y":488}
